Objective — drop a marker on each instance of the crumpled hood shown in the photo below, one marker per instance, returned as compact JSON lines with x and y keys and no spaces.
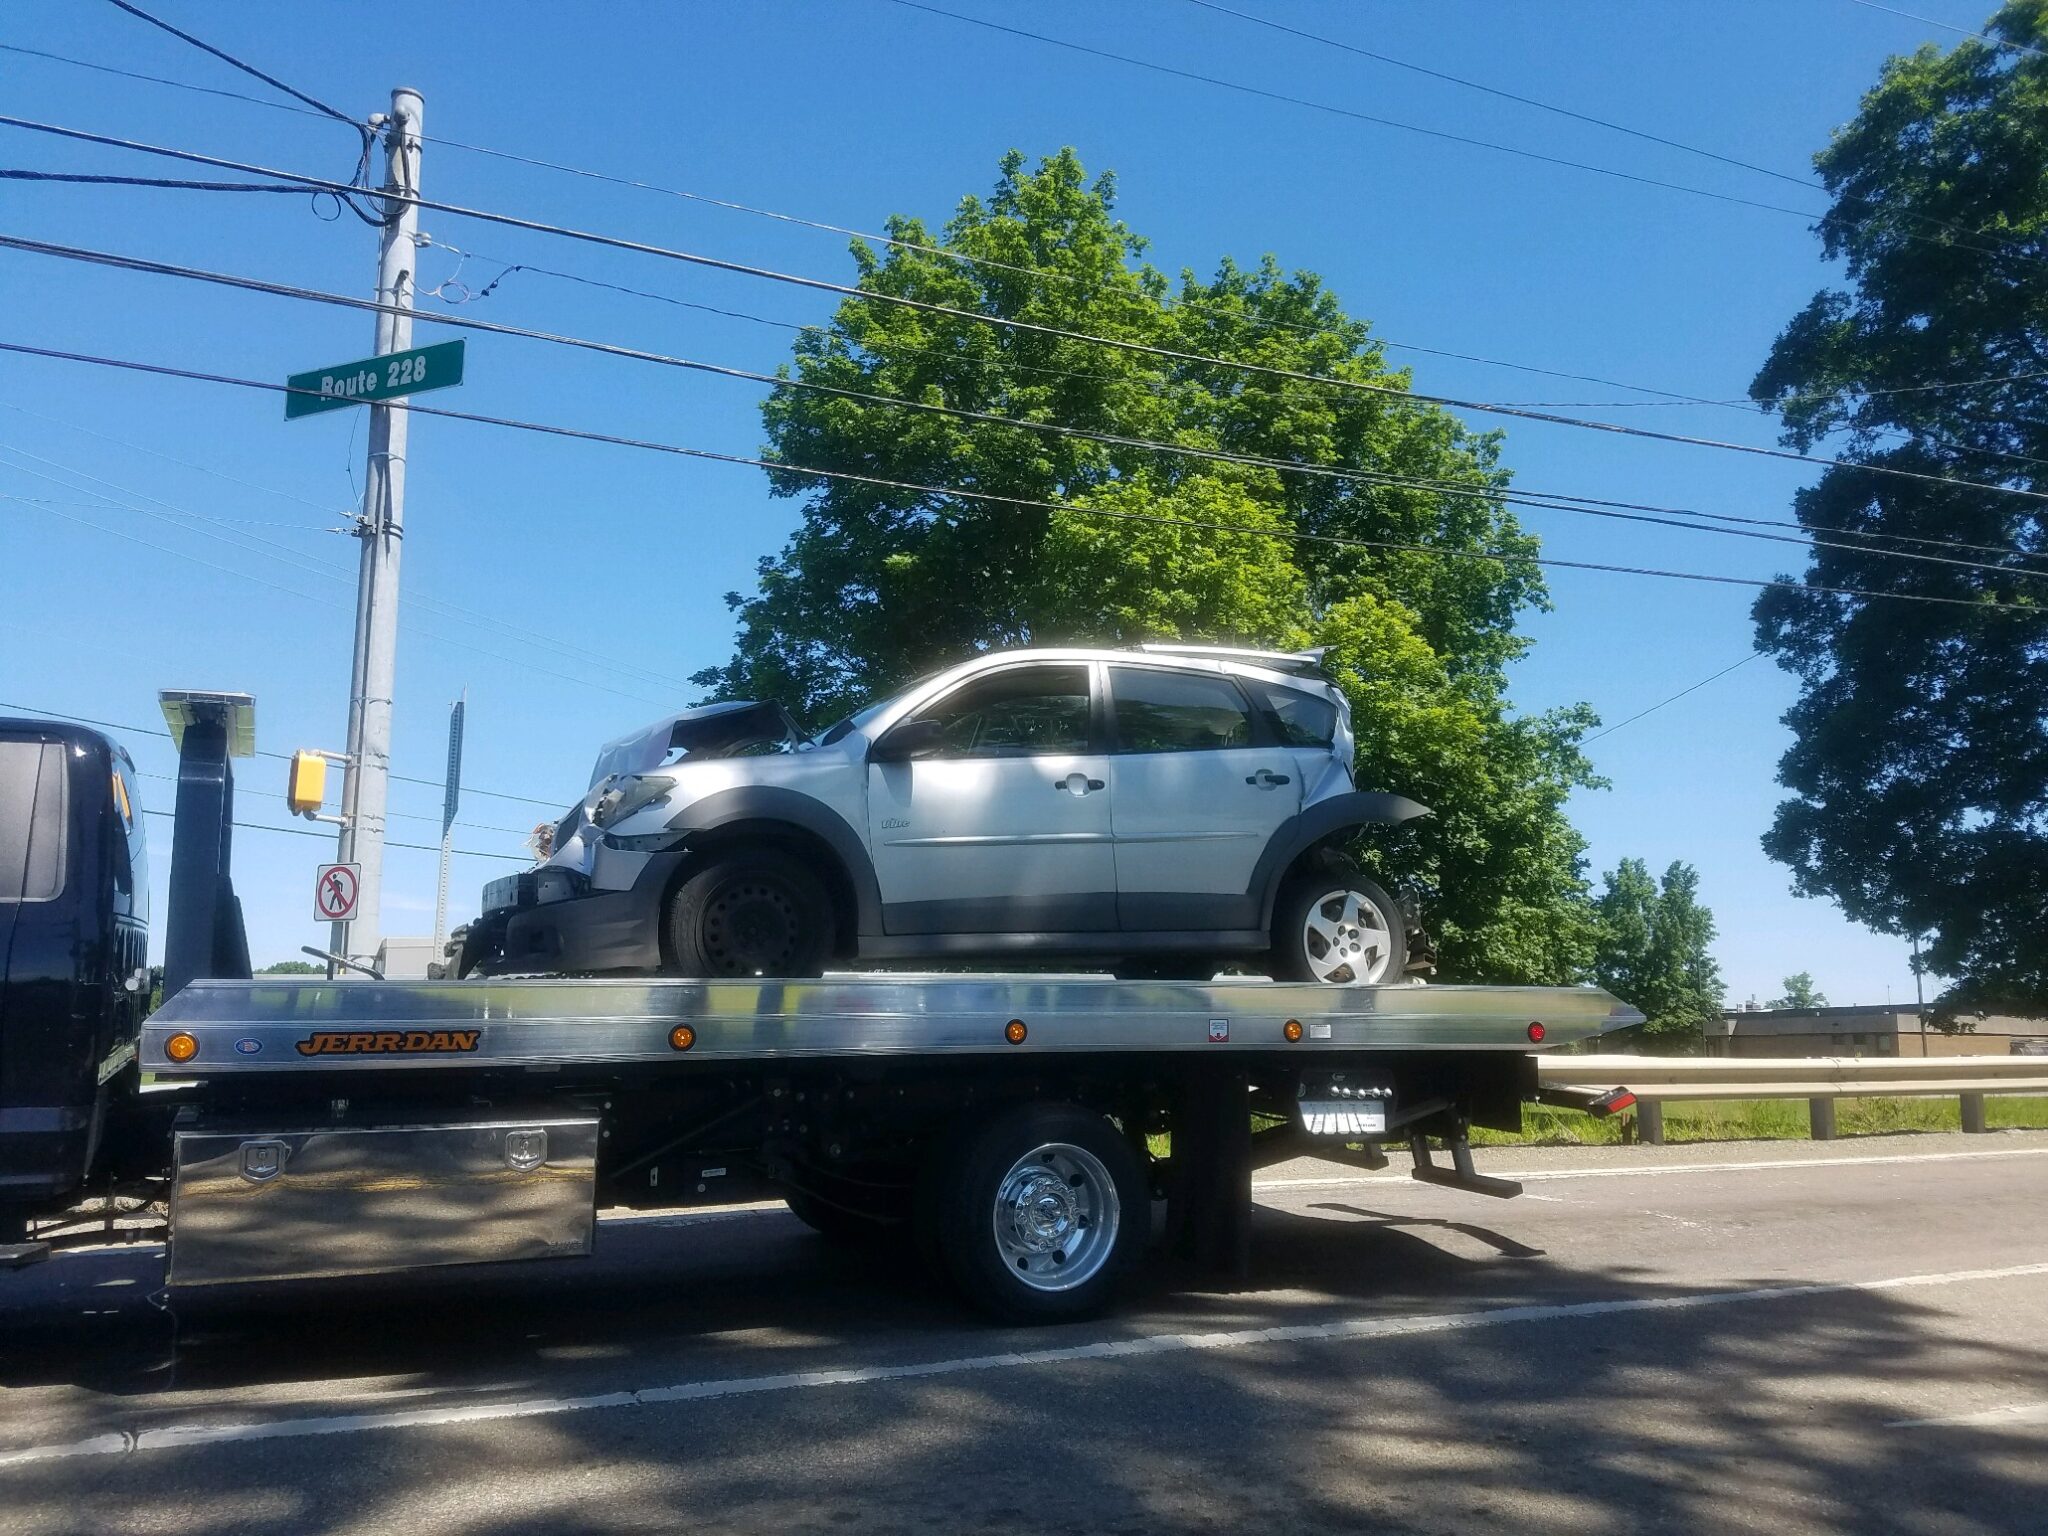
{"x":710,"y":730}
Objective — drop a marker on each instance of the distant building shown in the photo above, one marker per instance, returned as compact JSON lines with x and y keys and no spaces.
{"x":1870,"y":1030}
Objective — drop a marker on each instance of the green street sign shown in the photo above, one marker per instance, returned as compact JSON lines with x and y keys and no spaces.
{"x":374,"y":378}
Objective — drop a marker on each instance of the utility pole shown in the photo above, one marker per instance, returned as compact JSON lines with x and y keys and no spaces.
{"x":381,"y":528}
{"x":1919,"y":993}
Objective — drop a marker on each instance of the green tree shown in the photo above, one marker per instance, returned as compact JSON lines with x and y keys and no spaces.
{"x":881,"y":585}
{"x":1654,"y":949}
{"x":293,"y":968}
{"x":1800,"y":992}
{"x":1918,"y":774}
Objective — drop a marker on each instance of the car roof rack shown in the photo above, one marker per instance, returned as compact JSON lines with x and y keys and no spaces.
{"x":1307,"y":663}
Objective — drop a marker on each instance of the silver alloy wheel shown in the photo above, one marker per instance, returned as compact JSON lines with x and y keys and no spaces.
{"x":1056,"y":1217}
{"x":1345,"y":938}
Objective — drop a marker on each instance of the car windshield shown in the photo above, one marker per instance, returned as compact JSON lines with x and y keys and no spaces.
{"x":854,"y":721}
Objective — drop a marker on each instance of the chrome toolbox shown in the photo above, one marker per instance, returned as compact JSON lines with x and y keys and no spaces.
{"x":258,"y":1203}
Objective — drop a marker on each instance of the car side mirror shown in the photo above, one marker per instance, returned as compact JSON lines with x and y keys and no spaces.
{"x":913,"y":738}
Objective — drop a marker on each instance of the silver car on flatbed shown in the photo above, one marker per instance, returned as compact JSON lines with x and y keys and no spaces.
{"x":1162,"y":811}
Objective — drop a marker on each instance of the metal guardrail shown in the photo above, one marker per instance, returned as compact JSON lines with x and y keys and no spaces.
{"x":1820,"y":1080}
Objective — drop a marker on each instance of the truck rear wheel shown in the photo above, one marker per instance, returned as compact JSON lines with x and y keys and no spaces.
{"x":1038,"y":1214}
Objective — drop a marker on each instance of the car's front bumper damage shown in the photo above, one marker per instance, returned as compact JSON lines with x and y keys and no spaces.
{"x":557,"y":923}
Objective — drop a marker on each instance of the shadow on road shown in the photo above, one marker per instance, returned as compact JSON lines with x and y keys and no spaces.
{"x":1763,"y":1416}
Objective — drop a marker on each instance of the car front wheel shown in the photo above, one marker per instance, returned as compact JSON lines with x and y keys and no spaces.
{"x":1331,"y":924}
{"x":754,"y":912}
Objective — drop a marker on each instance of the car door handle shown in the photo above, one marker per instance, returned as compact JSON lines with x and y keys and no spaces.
{"x":1077,"y":784}
{"x":1266,"y":778}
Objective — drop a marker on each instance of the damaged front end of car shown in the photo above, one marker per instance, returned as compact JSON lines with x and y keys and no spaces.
{"x":558,"y":916}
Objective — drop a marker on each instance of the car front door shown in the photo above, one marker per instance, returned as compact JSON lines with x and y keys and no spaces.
{"x":1197,"y":788}
{"x":998,"y":821}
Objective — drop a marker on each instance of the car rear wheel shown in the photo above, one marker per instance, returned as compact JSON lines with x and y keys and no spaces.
{"x":1331,"y":924}
{"x":755,"y":912}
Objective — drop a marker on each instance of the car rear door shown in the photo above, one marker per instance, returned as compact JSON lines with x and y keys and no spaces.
{"x":1197,"y":788}
{"x":1002,"y":825}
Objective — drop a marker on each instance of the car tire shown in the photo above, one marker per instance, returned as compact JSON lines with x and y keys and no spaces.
{"x":751,"y":912}
{"x":1036,"y":1215}
{"x":1333,"y":925}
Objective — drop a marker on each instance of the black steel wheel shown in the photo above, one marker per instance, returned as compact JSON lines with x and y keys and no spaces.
{"x":750,"y":912}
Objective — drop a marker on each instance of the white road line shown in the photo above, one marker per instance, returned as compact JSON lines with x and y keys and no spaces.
{"x":2012,"y":1413}
{"x":124,"y":1442}
{"x":1542,"y":1174}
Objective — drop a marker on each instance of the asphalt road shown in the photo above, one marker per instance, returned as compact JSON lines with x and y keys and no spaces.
{"x":1788,"y":1338}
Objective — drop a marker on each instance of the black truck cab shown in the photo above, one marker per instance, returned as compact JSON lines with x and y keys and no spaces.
{"x":74,"y":951}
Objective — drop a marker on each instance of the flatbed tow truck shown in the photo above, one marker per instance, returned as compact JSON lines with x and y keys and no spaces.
{"x":1018,"y":1128}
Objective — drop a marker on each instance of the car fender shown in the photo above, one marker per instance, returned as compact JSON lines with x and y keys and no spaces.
{"x":1312,"y":825}
{"x":767,"y":802}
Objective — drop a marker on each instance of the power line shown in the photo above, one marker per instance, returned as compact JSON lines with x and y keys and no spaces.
{"x":229,"y":570}
{"x":456,"y":611}
{"x":243,"y":65}
{"x":954,"y":412}
{"x":708,"y":455}
{"x":157,"y":453}
{"x":1383,"y":122}
{"x":1516,"y":497}
{"x":1695,"y":688}
{"x":1327,"y":41}
{"x":473,"y":826}
{"x":1807,"y":182}
{"x":1170,"y":354}
{"x":1928,"y":21}
{"x":293,"y":560}
{"x":178,"y":183}
{"x":181,"y":85}
{"x":1179,"y":303}
{"x":282,"y":757}
{"x":1028,"y":327}
{"x":258,"y":826}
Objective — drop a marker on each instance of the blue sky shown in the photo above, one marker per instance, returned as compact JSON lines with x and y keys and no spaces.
{"x":201,"y":554}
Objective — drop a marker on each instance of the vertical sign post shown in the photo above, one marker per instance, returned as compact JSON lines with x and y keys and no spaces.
{"x":451,"y":796}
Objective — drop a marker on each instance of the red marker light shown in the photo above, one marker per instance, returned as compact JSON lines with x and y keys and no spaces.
{"x":1535,"y":1034}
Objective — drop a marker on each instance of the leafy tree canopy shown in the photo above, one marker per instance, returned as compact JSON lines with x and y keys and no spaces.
{"x":1919,"y":770}
{"x":1654,"y":949}
{"x":293,"y":968}
{"x":1800,"y":992}
{"x":879,"y":586}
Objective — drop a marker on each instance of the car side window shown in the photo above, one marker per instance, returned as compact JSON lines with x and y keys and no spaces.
{"x":1016,"y":712}
{"x":1161,"y":711}
{"x":1300,"y":719}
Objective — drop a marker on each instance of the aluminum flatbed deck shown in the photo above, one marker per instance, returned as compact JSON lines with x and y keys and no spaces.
{"x":294,"y":1025}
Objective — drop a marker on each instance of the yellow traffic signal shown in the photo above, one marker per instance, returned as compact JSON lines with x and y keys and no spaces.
{"x":306,"y":790}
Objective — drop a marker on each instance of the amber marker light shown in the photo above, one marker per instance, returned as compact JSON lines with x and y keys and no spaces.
{"x":682,"y":1037}
{"x":1014,"y":1031}
{"x":1292,"y":1030}
{"x":1536,"y":1034}
{"x":181,"y":1047}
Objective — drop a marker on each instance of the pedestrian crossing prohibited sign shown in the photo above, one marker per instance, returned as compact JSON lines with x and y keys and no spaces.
{"x":334,"y":892}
